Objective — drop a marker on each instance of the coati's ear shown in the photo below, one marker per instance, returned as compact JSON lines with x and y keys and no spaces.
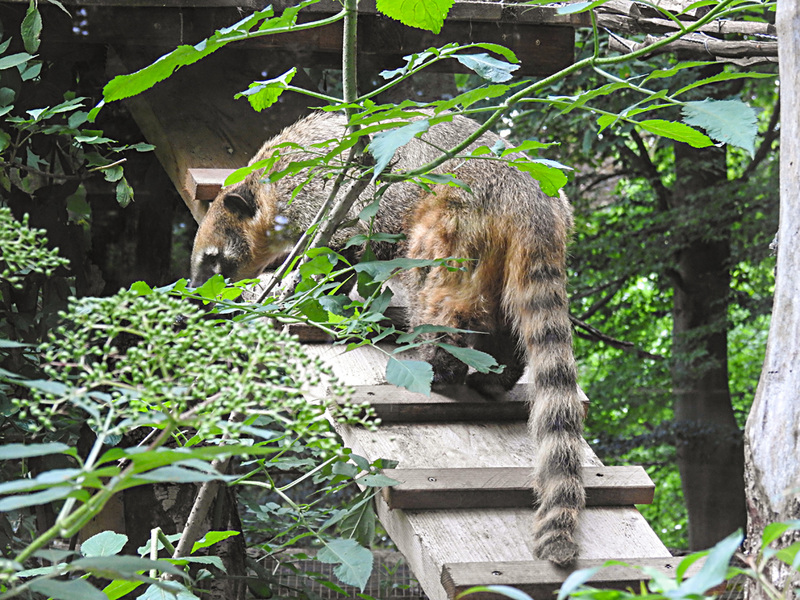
{"x":241,"y":203}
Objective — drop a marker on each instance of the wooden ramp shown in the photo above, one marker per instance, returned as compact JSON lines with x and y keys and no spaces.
{"x":462,"y":515}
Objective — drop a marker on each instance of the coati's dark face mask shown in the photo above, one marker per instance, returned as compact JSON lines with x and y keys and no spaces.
{"x":238,"y":238}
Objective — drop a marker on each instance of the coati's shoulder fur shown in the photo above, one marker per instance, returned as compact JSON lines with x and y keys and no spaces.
{"x":513,"y":289}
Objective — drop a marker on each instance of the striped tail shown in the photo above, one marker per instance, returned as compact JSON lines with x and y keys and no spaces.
{"x":535,"y":298}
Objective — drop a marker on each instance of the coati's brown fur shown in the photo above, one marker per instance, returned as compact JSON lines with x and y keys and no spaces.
{"x":514,"y":288}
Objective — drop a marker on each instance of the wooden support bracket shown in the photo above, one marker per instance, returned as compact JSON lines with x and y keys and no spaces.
{"x":540,"y":579}
{"x":454,"y":404}
{"x":508,"y":487}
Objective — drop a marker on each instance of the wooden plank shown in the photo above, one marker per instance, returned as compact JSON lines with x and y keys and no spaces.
{"x":452,"y":404}
{"x":540,"y":579}
{"x":508,"y":487}
{"x":205,"y":184}
{"x":429,"y":539}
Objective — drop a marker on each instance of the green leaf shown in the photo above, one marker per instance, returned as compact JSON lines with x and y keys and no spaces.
{"x":119,"y":588}
{"x":167,"y":590}
{"x":376,"y":480}
{"x":424,"y":14}
{"x":724,"y":76}
{"x":13,"y":60}
{"x":141,"y":288}
{"x":772,"y":532}
{"x":123,"y":567}
{"x":579,"y":7}
{"x":728,"y":121}
{"x":502,"y":590}
{"x":354,"y":561}
{"x":790,"y":555}
{"x":211,"y":538}
{"x":31,"y":28}
{"x":105,"y":543}
{"x":714,"y":569}
{"x":14,"y":451}
{"x":263,"y":94}
{"x":496,"y":71}
{"x":661,"y":73}
{"x":414,"y":375}
{"x":551,"y":179}
{"x":385,"y":144}
{"x":75,"y":589}
{"x":679,"y":132}
{"x":177,"y":474}
{"x":35,"y":499}
{"x":482,"y":362}
{"x":381,"y":269}
{"x":124,"y":193}
{"x":445,"y":179}
{"x":113,"y":174}
{"x":470,"y":97}
{"x":576,"y":580}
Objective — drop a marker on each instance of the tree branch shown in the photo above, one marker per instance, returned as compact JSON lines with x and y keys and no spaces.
{"x":594,"y":334}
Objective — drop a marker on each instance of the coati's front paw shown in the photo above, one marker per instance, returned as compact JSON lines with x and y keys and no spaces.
{"x":447,"y":370}
{"x":487,"y":385}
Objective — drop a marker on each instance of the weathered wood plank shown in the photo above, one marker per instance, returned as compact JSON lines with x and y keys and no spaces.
{"x":540,"y":579}
{"x":452,"y":404}
{"x":508,"y":487}
{"x":429,"y":539}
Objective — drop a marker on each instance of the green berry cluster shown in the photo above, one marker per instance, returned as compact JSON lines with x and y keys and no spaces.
{"x":23,"y":250}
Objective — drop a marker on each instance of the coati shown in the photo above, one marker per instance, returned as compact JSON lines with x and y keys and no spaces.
{"x":513,"y":288}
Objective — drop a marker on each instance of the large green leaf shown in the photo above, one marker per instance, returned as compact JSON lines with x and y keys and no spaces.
{"x":414,"y":375}
{"x":424,"y":14}
{"x":550,"y":177}
{"x":714,"y":569}
{"x":385,"y":144}
{"x":105,"y":543}
{"x":31,"y":28}
{"x":263,"y":94}
{"x":354,"y":561}
{"x":679,"y":132}
{"x":211,"y":538}
{"x":728,"y":121}
{"x":35,"y":499}
{"x":13,"y":60}
{"x":491,"y":69}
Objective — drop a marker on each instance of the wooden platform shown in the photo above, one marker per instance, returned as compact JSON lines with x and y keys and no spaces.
{"x":462,"y":515}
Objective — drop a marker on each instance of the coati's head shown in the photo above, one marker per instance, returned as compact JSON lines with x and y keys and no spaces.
{"x":240,"y":235}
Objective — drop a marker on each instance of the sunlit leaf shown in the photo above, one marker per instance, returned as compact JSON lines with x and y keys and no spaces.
{"x":424,"y":14}
{"x":679,"y":132}
{"x":414,"y":375}
{"x":263,"y":94}
{"x":728,"y":121}
{"x":354,"y":562}
{"x":105,"y":543}
{"x":488,"y":67}
{"x":385,"y":144}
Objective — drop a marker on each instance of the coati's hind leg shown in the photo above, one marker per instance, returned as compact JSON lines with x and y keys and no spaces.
{"x":506,"y":350}
{"x":431,"y":304}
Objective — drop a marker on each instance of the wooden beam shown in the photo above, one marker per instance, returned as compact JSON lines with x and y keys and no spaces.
{"x":541,"y":579}
{"x":454,"y":404}
{"x":508,"y":487}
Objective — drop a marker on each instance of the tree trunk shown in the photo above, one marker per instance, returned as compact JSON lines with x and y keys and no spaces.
{"x":709,"y":443}
{"x":772,"y":435}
